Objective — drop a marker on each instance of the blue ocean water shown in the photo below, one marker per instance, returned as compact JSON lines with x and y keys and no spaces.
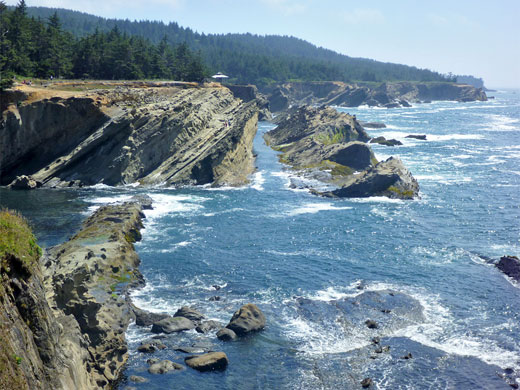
{"x":302,"y":258}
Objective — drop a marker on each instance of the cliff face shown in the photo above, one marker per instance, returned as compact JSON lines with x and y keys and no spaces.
{"x":163,"y":135}
{"x":388,"y":95}
{"x":64,"y":317}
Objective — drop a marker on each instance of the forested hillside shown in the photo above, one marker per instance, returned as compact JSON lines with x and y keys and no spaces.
{"x":247,"y":58}
{"x":42,"y":48}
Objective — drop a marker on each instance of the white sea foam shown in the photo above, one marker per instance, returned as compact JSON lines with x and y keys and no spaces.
{"x":111,"y":199}
{"x":376,"y":199}
{"x":313,"y":208}
{"x":257,"y":181}
{"x":449,"y":137}
{"x":501,"y":123}
{"x":164,"y":204}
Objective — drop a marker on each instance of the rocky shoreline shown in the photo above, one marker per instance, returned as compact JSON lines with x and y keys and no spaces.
{"x":66,"y":318}
{"x":387,"y":95}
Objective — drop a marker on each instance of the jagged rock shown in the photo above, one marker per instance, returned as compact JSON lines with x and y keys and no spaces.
{"x":407,"y":356}
{"x":226,"y":334}
{"x":366,"y":383}
{"x":371,"y":324}
{"x":189,"y":313}
{"x":164,"y":367}
{"x":172,"y":324}
{"x":419,"y":136}
{"x":152,"y":361}
{"x":510,"y":265}
{"x":23,"y":183}
{"x":212,"y":361}
{"x":247,"y":319}
{"x":207,"y":326}
{"x":150,"y":347}
{"x":383,"y":141}
{"x":391,"y":105}
{"x":388,"y":178}
{"x":356,"y":155}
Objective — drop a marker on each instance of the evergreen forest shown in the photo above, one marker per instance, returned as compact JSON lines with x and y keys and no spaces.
{"x":64,"y":43}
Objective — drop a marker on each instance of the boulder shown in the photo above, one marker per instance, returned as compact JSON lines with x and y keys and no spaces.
{"x":172,"y":324}
{"x":189,"y":313}
{"x":212,"y":361}
{"x":164,"y":366}
{"x":226,"y":334}
{"x":247,"y":319}
{"x":373,"y":125}
{"x":24,"y":183}
{"x":510,"y":265}
{"x":146,"y":318}
{"x":357,"y":155}
{"x":207,"y":326}
{"x":150,"y":347}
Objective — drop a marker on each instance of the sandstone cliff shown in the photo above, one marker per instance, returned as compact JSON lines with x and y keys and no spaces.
{"x":154,"y":135}
{"x":64,"y":316}
{"x":388,"y":95}
{"x":330,"y":147}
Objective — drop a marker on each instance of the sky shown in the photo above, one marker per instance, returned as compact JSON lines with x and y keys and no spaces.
{"x":475,"y":37}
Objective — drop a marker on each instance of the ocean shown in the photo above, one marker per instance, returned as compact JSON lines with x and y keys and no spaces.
{"x":319,"y":268}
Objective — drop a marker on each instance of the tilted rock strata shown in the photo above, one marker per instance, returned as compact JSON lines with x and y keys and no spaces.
{"x":389,"y":95}
{"x":168,"y":136}
{"x":328,"y":146}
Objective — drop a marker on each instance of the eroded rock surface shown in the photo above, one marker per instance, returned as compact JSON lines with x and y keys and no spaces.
{"x":248,"y":318}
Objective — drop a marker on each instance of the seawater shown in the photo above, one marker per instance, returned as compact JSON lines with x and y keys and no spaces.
{"x":271,"y":245}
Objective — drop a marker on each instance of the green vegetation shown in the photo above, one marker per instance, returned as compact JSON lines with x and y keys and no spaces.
{"x":16,"y":239}
{"x":42,"y":48}
{"x":247,"y":58}
{"x":336,"y":136}
{"x":405,"y":194}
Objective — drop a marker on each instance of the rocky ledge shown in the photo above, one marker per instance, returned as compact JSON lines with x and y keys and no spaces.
{"x":389,"y":95}
{"x":67,"y":314}
{"x":325,"y":146}
{"x":172,"y":135}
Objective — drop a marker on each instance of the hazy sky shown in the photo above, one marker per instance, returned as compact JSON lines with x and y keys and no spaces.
{"x":477,"y":37}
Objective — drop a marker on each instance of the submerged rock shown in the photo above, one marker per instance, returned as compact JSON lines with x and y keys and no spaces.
{"x":164,"y":367}
{"x":212,"y":361}
{"x":417,"y":136}
{"x":384,"y":141}
{"x":138,"y":379}
{"x":248,"y":318}
{"x":207,"y":326}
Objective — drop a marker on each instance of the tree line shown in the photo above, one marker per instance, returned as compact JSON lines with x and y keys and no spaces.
{"x":250,"y":58}
{"x":33,"y":47}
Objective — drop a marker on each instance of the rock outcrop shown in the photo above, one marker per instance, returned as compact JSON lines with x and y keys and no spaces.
{"x":163,"y":135}
{"x":510,"y":265}
{"x":67,"y":313}
{"x":325,"y":146}
{"x":389,"y":95}
{"x":212,"y":361}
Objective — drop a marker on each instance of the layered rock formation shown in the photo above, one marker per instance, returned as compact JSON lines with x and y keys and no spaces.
{"x":328,"y":146}
{"x":389,"y":95}
{"x":64,"y":318}
{"x":156,"y":135}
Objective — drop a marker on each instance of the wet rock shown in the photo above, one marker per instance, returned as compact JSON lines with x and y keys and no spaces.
{"x":373,"y":125}
{"x":247,"y":319}
{"x":510,"y":265}
{"x":152,"y":361}
{"x":371,"y":324}
{"x":189,"y":313}
{"x":376,"y":340}
{"x":215,"y":298}
{"x":407,"y":356}
{"x":138,"y":379}
{"x":384,"y":141}
{"x":150,"y":347}
{"x":418,"y":136}
{"x":172,"y":324}
{"x":378,"y":350}
{"x":216,"y":287}
{"x":212,"y":361}
{"x":207,"y":326}
{"x":146,"y":318}
{"x":23,"y":182}
{"x":190,"y":349}
{"x":164,"y":366}
{"x":226,"y":334}
{"x":366,"y":383}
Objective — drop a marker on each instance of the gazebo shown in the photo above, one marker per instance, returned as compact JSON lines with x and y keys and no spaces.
{"x":219,"y":76}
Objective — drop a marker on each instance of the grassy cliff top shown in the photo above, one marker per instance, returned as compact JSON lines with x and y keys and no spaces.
{"x":17,"y":239}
